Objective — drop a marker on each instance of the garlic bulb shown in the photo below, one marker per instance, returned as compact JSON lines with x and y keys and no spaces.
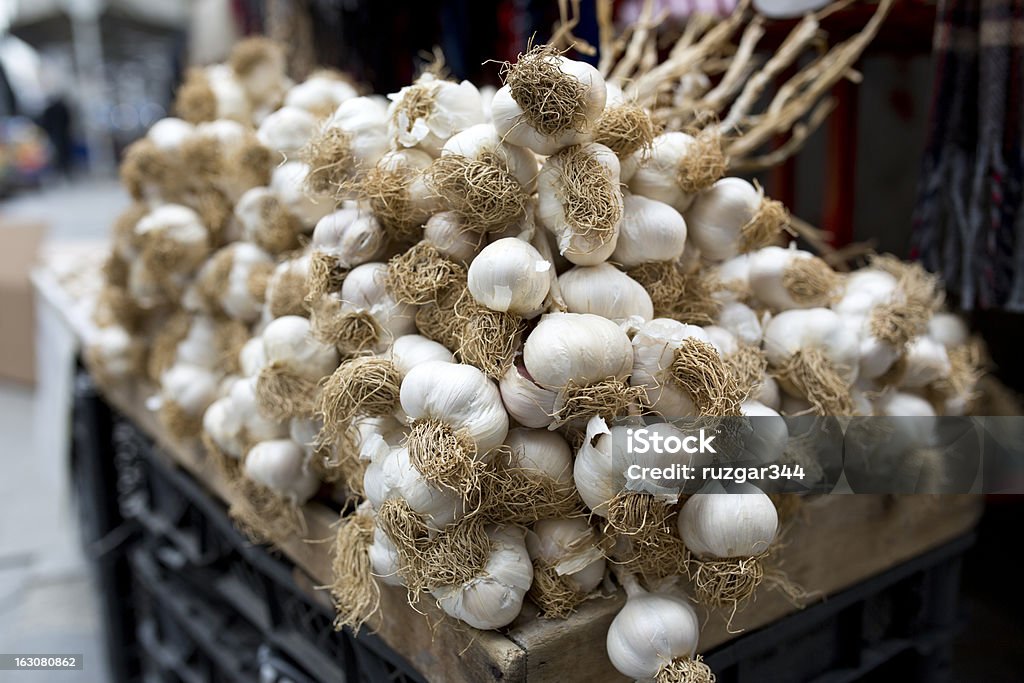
{"x":114,"y":353}
{"x":384,"y":559}
{"x":733,"y":277}
{"x":742,"y":321}
{"x":784,"y":279}
{"x":732,"y":216}
{"x":240,"y":291}
{"x":286,"y":289}
{"x":266,"y":221}
{"x":350,"y":235}
{"x":865,"y":289}
{"x":494,"y":597}
{"x":287,"y":130}
{"x":280,"y":466}
{"x":259,"y":64}
{"x":320,"y":94}
{"x":529,"y":404}
{"x":484,"y":142}
{"x":655,"y":636}
{"x":740,"y":523}
{"x":391,"y":475}
{"x":234,"y":423}
{"x":650,"y":231}
{"x":212,"y":93}
{"x":411,"y":350}
{"x":579,"y":200}
{"x":925,"y":361}
{"x":185,"y":393}
{"x":814,"y":356}
{"x":431,"y":110}
{"x":353,"y":138}
{"x":288,"y":181}
{"x":364,"y":294}
{"x":173,"y":239}
{"x":541,"y":451}
{"x":447,"y":233}
{"x":606,"y":291}
{"x":295,"y":364}
{"x":766,"y":441}
{"x":768,"y":393}
{"x":676,"y":168}
{"x":548,"y":102}
{"x":949,"y":330}
{"x":252,"y":358}
{"x":510,"y":276}
{"x":396,"y":191}
{"x":568,"y":547}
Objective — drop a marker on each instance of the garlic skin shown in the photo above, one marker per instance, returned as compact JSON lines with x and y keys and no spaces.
{"x":237,"y":300}
{"x":252,"y":358}
{"x":115,"y":352}
{"x":742,"y":321}
{"x":543,"y":451}
{"x":460,"y":396}
{"x":288,"y":182}
{"x":191,"y":387}
{"x":575,"y":242}
{"x":734,"y":278}
{"x":391,"y":475}
{"x":168,"y":134}
{"x":656,"y":171}
{"x":493,"y":598}
{"x":513,"y":125}
{"x":876,"y":356}
{"x":280,"y":466}
{"x":568,"y":545}
{"x":769,"y":394}
{"x":510,"y":276}
{"x":606,"y":291}
{"x":768,"y":441}
{"x":717,"y":216}
{"x":351,"y":235}
{"x":287,"y":130}
{"x":253,"y":210}
{"x":654,"y":349}
{"x":766,"y":276}
{"x":949,"y":330}
{"x":812,"y":328}
{"x":231,"y":98}
{"x":718,"y":525}
{"x":527,"y":403}
{"x":411,"y":350}
{"x":319,"y":94}
{"x":384,"y":559}
{"x":177,"y":223}
{"x":651,"y":631}
{"x":234,"y":422}
{"x":482,"y":140}
{"x":650,"y":231}
{"x":364,"y":120}
{"x":865,"y":289}
{"x":578,"y":347}
{"x":925,"y":361}
{"x":287,"y":342}
{"x":446,"y":233}
{"x":364,"y":290}
{"x":454,"y":107}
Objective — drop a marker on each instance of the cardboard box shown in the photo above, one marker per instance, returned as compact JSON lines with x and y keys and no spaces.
{"x":19,"y":248}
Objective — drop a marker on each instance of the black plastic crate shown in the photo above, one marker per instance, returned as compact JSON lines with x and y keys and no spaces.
{"x":898,"y":625}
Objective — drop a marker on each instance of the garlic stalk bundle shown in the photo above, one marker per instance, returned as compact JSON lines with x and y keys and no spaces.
{"x":342,"y":240}
{"x":494,"y":597}
{"x":678,"y":167}
{"x":483,"y":178}
{"x":567,"y":564}
{"x":349,"y":142}
{"x":785,"y":279}
{"x":234,"y":281}
{"x":650,"y":231}
{"x":286,"y":131}
{"x":396,"y":191}
{"x":288,"y":182}
{"x":548,"y":102}
{"x":114,"y":354}
{"x":185,"y":393}
{"x":368,"y":386}
{"x":531,"y":478}
{"x":606,"y":291}
{"x":654,"y":638}
{"x":427,"y":113}
{"x":363,"y":316}
{"x":510,"y":276}
{"x":624,"y":126}
{"x":452,"y":237}
{"x":728,"y":533}
{"x":813,"y":355}
{"x":457,"y":417}
{"x":173,"y":243}
{"x":681,"y":371}
{"x":212,"y":93}
{"x":580,"y":202}
{"x":586,"y":359}
{"x":321,"y":93}
{"x":295,"y":364}
{"x":286,"y":289}
{"x":733,"y":217}
{"x":527,"y":403}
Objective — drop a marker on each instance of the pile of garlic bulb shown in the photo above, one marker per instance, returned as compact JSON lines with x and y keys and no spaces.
{"x":436,"y":303}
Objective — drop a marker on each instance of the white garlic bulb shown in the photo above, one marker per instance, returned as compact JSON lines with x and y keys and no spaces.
{"x":252,"y":358}
{"x":785,"y":279}
{"x":351,"y":235}
{"x":733,"y":277}
{"x":319,"y":94}
{"x":510,"y":276}
{"x":287,"y":342}
{"x":190,"y":388}
{"x":650,"y":632}
{"x":114,"y":352}
{"x":288,"y":183}
{"x":411,"y":350}
{"x":528,"y":403}
{"x":606,"y":291}
{"x":229,"y":96}
{"x":483,"y":142}
{"x":650,"y":231}
{"x":239,"y":300}
{"x":568,"y":546}
{"x":655,"y":347}
{"x":287,"y":130}
{"x":384,"y":558}
{"x":280,"y":466}
{"x":740,"y":523}
{"x":949,"y":330}
{"x":431,"y":110}
{"x":718,"y":216}
{"x":585,"y":216}
{"x":541,"y":451}
{"x":742,"y":321}
{"x":391,"y":475}
{"x":657,"y":169}
{"x":170,"y":133}
{"x":266,"y":221}
{"x":925,"y":361}
{"x":179,"y":225}
{"x":234,"y":423}
{"x":534,"y":127}
{"x":576,"y":347}
{"x":364,"y":291}
{"x":494,"y":597}
{"x":865,"y":289}
{"x":446,"y":232}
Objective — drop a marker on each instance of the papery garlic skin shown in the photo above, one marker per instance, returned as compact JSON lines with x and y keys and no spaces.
{"x":512,"y":123}
{"x":252,"y":358}
{"x":717,"y":216}
{"x":650,"y":231}
{"x":767,"y":277}
{"x":654,"y":350}
{"x":454,"y":107}
{"x":483,"y":141}
{"x":287,"y":130}
{"x":411,"y":350}
{"x":510,"y":276}
{"x":542,"y":451}
{"x":351,"y":235}
{"x":288,"y":182}
{"x":925,"y":361}
{"x":460,"y":396}
{"x":280,"y":466}
{"x":656,"y":174}
{"x":813,"y":328}
{"x":742,"y":321}
{"x":170,"y":133}
{"x":529,"y":404}
{"x":191,"y":387}
{"x":364,"y":291}
{"x":577,"y":347}
{"x":650,"y":631}
{"x":319,"y":94}
{"x":568,"y":546}
{"x":494,"y":597}
{"x":446,"y":233}
{"x":718,"y":525}
{"x":391,"y":475}
{"x":949,"y":330}
{"x":287,"y":341}
{"x":384,"y":559}
{"x":606,"y":291}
